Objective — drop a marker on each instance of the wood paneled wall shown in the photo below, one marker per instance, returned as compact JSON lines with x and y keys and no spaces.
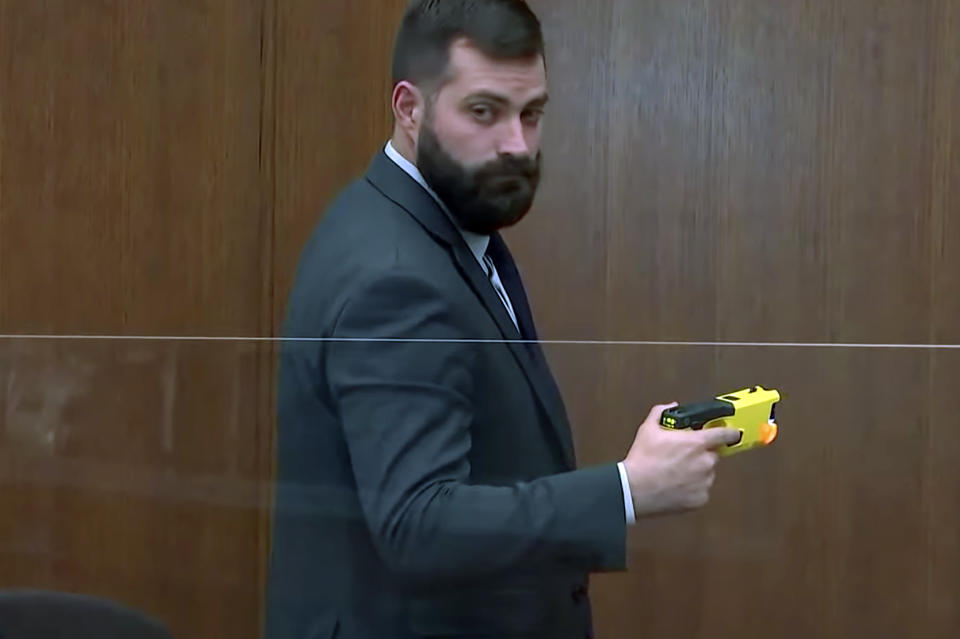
{"x":133,"y":202}
{"x":738,"y":171}
{"x":765,"y":172}
{"x":333,"y":111}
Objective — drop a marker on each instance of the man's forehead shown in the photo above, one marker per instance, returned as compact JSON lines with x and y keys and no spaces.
{"x":472,"y":70}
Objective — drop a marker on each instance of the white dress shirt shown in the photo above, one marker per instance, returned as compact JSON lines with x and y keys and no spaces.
{"x":478,"y":246}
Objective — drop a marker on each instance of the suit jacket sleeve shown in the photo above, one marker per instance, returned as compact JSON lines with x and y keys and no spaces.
{"x":402,"y":383}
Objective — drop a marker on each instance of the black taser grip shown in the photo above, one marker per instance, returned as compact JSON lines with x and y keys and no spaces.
{"x":694,"y":416}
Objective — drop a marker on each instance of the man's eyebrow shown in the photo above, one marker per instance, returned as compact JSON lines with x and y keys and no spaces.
{"x":538,"y":102}
{"x":488,"y":96}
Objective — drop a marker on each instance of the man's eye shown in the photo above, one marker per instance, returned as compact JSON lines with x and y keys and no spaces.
{"x":532,"y":116}
{"x":482,"y":112}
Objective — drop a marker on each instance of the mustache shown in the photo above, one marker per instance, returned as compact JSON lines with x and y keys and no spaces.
{"x":510,"y":166}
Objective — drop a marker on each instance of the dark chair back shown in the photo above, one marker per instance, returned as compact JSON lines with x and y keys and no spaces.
{"x":39,"y":614}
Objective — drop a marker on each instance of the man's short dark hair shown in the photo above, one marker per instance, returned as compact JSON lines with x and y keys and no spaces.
{"x":501,"y":29}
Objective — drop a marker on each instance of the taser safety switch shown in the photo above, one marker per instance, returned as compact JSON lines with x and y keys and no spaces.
{"x":752,"y":411}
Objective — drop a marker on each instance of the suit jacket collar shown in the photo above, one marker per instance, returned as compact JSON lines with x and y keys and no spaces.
{"x":402,"y":189}
{"x":478,"y":243}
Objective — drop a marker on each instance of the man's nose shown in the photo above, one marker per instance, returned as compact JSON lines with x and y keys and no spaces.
{"x":513,"y":141}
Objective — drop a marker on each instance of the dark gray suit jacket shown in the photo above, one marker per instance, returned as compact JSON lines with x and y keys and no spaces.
{"x":425,"y":468}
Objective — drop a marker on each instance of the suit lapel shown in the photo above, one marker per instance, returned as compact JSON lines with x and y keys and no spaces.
{"x":403,"y":190}
{"x":510,"y":277}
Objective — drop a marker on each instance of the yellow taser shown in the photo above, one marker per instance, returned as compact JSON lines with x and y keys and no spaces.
{"x":752,"y":411}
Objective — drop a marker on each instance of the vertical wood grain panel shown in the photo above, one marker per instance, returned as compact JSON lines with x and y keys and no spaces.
{"x":768,"y":172}
{"x":333,"y":111}
{"x":265,"y":431}
{"x":130,"y":146}
{"x":941,"y":480}
{"x":132,"y":203}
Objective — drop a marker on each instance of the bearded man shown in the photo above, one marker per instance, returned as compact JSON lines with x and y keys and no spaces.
{"x":426,"y":479}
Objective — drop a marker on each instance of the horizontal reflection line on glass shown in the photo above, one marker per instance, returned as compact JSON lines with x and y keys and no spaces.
{"x":197,"y":338}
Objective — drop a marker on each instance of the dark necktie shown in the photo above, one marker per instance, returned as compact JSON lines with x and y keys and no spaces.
{"x":499,"y":254}
{"x":510,"y":278}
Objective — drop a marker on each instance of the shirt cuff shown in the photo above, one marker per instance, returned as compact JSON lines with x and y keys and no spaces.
{"x":627,"y":497}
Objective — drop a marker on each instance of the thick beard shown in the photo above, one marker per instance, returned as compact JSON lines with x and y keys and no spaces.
{"x":483,"y":200}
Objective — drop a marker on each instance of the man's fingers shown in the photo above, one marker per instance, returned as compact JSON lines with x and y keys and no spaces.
{"x":657,"y":412}
{"x":716,"y":437}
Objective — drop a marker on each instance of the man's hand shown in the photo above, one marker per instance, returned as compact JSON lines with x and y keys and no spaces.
{"x":671,"y":471}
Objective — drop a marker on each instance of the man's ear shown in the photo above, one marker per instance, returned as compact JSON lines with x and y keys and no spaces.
{"x":409,"y":104}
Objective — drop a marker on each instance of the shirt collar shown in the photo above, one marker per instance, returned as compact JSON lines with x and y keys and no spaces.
{"x":478,"y":243}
